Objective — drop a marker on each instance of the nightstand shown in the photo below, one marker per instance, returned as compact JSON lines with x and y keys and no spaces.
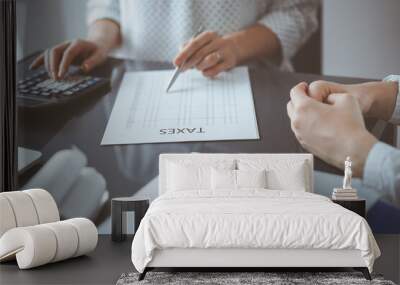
{"x":119,"y":209}
{"x":356,"y":206}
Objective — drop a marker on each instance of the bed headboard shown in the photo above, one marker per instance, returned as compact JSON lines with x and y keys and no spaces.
{"x":170,"y":157}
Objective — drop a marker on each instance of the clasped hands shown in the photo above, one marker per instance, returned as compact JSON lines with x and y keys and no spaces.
{"x":327,"y":118}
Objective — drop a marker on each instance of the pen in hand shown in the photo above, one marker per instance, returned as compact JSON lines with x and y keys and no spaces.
{"x":178,"y":69}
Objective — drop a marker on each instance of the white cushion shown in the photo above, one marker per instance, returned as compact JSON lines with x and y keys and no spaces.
{"x":26,"y":208}
{"x":45,"y":205}
{"x":281,"y":174}
{"x":40,"y":244}
{"x":236,"y":179}
{"x":223,"y":179}
{"x":7,"y":219}
{"x":186,"y":175}
{"x":23,"y":208}
{"x":251,"y":178}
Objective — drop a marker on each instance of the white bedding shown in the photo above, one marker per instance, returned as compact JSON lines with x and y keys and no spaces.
{"x":250,"y":218}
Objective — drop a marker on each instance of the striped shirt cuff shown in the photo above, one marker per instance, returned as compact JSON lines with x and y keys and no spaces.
{"x":378,"y":168}
{"x":396,"y":114}
{"x":103,"y":9}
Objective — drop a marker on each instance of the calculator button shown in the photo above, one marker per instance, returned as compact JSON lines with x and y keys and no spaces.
{"x":68,"y":93}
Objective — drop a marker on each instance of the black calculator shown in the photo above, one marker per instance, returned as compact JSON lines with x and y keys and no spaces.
{"x":38,"y":89}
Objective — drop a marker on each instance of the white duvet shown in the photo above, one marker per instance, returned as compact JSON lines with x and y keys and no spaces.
{"x":250,"y":219}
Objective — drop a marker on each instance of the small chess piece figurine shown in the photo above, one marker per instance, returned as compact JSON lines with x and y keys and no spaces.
{"x":347,"y":174}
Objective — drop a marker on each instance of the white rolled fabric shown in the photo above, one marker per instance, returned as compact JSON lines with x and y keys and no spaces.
{"x":26,"y":208}
{"x":37,"y":245}
{"x":23,"y":208}
{"x":7,"y":218}
{"x":67,"y":239}
{"x":87,"y":233}
{"x":32,"y":246}
{"x":46,"y":207}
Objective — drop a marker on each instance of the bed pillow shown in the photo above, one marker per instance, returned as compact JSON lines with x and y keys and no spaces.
{"x":281,"y":174}
{"x":237,"y":179}
{"x":188,"y":175}
{"x":223,"y":179}
{"x":251,"y":178}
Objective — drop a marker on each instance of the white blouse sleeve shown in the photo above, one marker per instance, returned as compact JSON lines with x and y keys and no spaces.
{"x":293,"y":21}
{"x":103,"y":9}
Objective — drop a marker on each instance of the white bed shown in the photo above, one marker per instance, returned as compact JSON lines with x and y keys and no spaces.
{"x":249,"y":227}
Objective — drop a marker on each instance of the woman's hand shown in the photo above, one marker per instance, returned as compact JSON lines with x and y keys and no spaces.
{"x":210,"y":53}
{"x":57,"y":60}
{"x":331,"y":130}
{"x":103,"y":36}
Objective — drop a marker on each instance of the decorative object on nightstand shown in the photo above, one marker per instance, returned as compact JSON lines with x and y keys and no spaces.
{"x":357,"y":206}
{"x":120,"y":207}
{"x":346,"y":192}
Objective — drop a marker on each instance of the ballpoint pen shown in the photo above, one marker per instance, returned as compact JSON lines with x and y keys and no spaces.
{"x":178,"y":69}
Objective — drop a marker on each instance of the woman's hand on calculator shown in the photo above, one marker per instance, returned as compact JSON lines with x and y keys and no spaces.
{"x":104,"y":35}
{"x":57,"y":59}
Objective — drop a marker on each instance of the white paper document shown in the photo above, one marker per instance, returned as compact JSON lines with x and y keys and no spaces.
{"x":195,"y":108}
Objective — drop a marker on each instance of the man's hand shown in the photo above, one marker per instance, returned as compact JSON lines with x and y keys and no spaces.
{"x":210,"y":53}
{"x":332,"y":130}
{"x":376,"y":99}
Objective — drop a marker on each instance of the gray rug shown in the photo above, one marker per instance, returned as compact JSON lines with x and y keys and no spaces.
{"x":244,"y":278}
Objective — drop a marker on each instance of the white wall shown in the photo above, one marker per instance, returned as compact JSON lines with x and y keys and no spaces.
{"x":43,"y":23}
{"x":361,"y":38}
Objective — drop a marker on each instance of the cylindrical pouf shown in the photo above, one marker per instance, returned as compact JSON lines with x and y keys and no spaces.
{"x":37,"y":245}
{"x":87,"y":233}
{"x":33,"y":246}
{"x":7,"y":218}
{"x":46,"y":207}
{"x":23,"y":208}
{"x":67,"y":240}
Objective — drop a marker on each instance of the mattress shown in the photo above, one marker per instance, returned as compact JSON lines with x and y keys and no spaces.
{"x":250,"y":219}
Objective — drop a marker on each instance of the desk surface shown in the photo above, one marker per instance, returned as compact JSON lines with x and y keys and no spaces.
{"x":129,"y":167}
{"x":102,"y":266}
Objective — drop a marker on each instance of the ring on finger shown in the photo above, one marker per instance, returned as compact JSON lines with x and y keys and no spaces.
{"x":219,"y":56}
{"x":47,"y":60}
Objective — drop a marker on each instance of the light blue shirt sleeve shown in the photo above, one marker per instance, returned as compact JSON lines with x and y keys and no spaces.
{"x":382,"y":168}
{"x":103,"y":9}
{"x":382,"y":172}
{"x":396,"y":114}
